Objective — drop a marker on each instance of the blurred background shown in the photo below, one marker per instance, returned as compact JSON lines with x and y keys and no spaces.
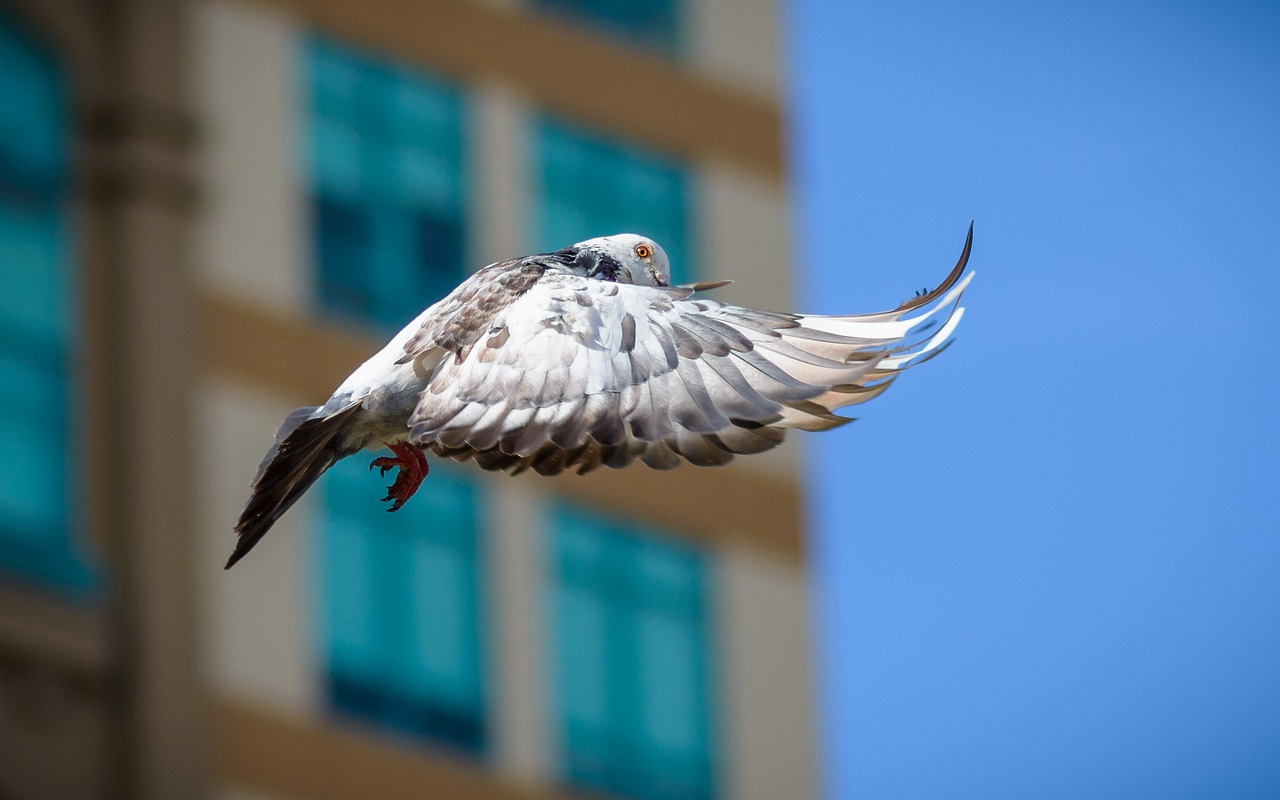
{"x":210,"y":213}
{"x":1044,"y":566}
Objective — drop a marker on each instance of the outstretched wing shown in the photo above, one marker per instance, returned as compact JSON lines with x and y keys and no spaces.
{"x":578,"y":372}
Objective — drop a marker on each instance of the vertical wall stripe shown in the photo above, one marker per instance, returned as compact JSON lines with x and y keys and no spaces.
{"x":250,"y":241}
{"x":519,"y":712}
{"x":762,"y":617}
{"x":501,"y":186}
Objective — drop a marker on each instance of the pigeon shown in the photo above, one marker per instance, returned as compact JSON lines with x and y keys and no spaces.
{"x":588,"y":357}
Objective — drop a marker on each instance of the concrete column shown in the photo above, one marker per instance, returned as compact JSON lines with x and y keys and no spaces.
{"x":139,"y":295}
{"x":514,"y":544}
{"x":499,"y":175}
{"x":251,"y":240}
{"x":767,"y":723}
{"x":262,"y":619}
{"x":737,"y":42}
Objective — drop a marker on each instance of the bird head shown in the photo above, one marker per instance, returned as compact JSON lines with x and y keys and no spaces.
{"x":623,"y":257}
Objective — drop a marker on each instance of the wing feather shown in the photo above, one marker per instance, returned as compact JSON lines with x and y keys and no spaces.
{"x":711,"y":418}
{"x":735,"y":397}
{"x":577,"y":373}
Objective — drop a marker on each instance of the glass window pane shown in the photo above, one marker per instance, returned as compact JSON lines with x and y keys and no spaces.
{"x":421,"y":178}
{"x":31,"y":485}
{"x":668,"y":682}
{"x":402,"y":598}
{"x":386,"y":144}
{"x":629,"y":659}
{"x":338,"y":158}
{"x":442,"y":661}
{"x":348,"y":564}
{"x":32,"y":116}
{"x":31,"y":379}
{"x":413,"y":263}
{"x":336,"y":77}
{"x":33,"y":296}
{"x":417,"y":108}
{"x":439,"y":257}
{"x":654,"y":24}
{"x":583,"y":685}
{"x":38,"y":500}
{"x":344,"y":243}
{"x":592,"y":185}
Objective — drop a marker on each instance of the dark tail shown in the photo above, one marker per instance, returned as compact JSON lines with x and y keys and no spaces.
{"x":303,"y":450}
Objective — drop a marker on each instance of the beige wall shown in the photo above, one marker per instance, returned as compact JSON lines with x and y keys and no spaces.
{"x":738,"y":42}
{"x":763,"y":616}
{"x":242,"y":793}
{"x":515,"y":582}
{"x":260,"y":624}
{"x":500,"y":176}
{"x":250,"y":238}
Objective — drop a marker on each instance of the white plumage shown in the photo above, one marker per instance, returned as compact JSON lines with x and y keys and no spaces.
{"x":586,"y":357}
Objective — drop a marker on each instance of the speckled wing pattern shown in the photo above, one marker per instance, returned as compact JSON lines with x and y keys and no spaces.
{"x":572,"y":372}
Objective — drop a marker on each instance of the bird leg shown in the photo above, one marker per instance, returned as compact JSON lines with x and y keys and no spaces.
{"x":412,"y":463}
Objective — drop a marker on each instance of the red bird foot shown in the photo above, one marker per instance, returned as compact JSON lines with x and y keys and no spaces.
{"x":412,"y":463}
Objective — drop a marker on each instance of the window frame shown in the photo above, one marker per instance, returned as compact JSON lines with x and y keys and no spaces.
{"x":39,"y":197}
{"x":665,"y":37}
{"x":604,"y":162}
{"x":401,"y":188}
{"x":636,"y":768}
{"x":384,"y":679}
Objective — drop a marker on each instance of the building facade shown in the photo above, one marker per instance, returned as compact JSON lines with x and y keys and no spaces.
{"x":214,"y":211}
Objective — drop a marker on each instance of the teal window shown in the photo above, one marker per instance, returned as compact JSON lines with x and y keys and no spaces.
{"x":38,"y":500}
{"x":385,"y":160}
{"x":401,"y":606}
{"x":591,"y":185}
{"x":630,"y":650}
{"x":649,"y":23}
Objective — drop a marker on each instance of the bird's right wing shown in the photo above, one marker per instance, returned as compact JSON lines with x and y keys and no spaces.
{"x":578,"y":372}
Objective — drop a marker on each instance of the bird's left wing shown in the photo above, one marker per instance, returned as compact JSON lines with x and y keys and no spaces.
{"x":577,"y":372}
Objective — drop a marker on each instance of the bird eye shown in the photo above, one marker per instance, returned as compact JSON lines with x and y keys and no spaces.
{"x":643,"y":250}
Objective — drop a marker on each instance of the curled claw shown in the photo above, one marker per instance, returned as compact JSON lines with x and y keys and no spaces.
{"x":413,"y":468}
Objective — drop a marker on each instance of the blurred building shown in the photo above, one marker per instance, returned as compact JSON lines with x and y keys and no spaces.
{"x":210,"y":212}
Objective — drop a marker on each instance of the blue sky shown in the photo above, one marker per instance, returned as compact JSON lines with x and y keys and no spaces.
{"x":1048,"y":563}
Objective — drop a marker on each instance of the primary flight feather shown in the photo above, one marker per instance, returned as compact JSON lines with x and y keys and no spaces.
{"x":587,"y":357}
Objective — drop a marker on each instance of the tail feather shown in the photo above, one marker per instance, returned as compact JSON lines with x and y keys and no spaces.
{"x":291,"y":423}
{"x":304,"y":448}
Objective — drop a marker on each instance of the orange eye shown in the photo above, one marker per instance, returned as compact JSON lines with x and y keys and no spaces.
{"x":644,"y":250}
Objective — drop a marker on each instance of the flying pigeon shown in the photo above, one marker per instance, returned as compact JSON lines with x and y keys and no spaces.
{"x":587,"y":357}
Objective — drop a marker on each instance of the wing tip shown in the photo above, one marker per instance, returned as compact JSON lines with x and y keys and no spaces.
{"x":952,"y":278}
